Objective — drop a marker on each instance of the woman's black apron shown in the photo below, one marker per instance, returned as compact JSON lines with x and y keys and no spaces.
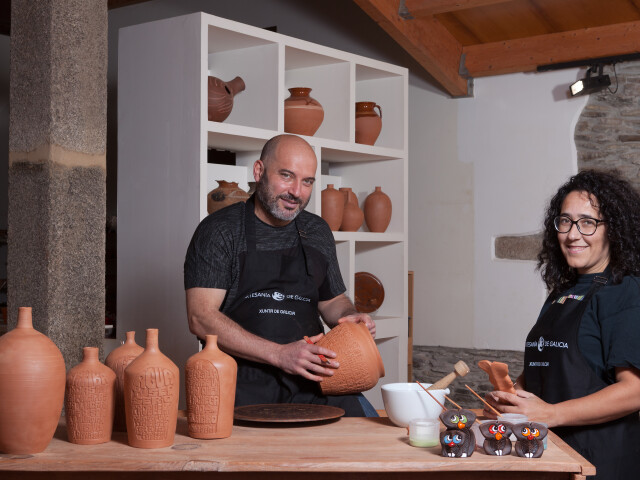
{"x":277,"y":299}
{"x":556,"y":371}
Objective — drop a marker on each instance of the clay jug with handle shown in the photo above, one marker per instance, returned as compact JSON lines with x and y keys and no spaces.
{"x":377,"y":211}
{"x":221,"y":95}
{"x":210,"y":380}
{"x":117,"y":361}
{"x":32,"y":381}
{"x":90,"y":400}
{"x":151,"y":393}
{"x":368,"y":122}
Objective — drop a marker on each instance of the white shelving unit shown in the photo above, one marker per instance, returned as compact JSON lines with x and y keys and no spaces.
{"x":164,"y":177}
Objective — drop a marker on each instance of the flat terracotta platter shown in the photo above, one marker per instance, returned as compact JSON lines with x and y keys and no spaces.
{"x":368,"y":292}
{"x":287,"y":412}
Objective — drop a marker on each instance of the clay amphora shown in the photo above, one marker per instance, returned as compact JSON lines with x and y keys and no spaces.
{"x":90,"y":400}
{"x":226,"y":194}
{"x":368,"y":123}
{"x":210,"y":379}
{"x":151,"y":393}
{"x":360,"y":363}
{"x":377,"y":210}
{"x":332,"y":207}
{"x":221,"y":97}
{"x":352,"y":216}
{"x":32,"y":379}
{"x":303,"y":115}
{"x":117,"y":361}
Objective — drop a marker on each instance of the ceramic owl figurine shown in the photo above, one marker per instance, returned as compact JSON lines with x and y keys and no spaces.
{"x":457,"y":440}
{"x":529,"y":437}
{"x":496,"y":436}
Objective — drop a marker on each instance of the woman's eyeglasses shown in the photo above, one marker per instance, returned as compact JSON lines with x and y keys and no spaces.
{"x":585,"y":225}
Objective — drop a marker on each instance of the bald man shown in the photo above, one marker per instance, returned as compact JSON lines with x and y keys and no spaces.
{"x":259,"y":276}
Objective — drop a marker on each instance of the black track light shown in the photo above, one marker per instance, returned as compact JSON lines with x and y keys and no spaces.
{"x":591,"y":84}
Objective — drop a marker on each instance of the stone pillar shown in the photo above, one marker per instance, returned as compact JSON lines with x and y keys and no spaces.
{"x":57,"y":169}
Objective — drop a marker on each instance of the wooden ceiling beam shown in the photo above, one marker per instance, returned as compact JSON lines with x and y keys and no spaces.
{"x":526,"y":54}
{"x":419,"y":8}
{"x":428,"y":42}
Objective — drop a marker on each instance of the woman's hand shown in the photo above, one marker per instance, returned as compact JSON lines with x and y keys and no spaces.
{"x":522,"y":402}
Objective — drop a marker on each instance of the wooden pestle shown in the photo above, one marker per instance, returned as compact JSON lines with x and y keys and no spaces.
{"x":460,"y":369}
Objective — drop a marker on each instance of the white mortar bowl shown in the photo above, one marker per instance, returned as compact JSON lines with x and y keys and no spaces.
{"x":405,"y":401}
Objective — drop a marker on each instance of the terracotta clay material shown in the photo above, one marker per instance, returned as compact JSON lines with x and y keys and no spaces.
{"x":352,"y":216}
{"x":360,"y":363}
{"x":151,"y":393}
{"x":377,"y":211}
{"x":90,"y":400}
{"x":368,"y":122}
{"x":498,"y":375}
{"x":332,"y":207}
{"x":303,"y":115}
{"x":117,"y":361}
{"x":210,"y":380}
{"x":227,"y":193}
{"x":221,"y":95}
{"x":32,"y":380}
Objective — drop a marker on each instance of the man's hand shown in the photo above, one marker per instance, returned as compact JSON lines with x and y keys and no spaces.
{"x":301,"y":358}
{"x":360,"y":317}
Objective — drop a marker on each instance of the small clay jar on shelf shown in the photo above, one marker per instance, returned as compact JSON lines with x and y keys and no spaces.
{"x":227,"y":193}
{"x":377,"y":211}
{"x":303,"y":114}
{"x":210,"y":381}
{"x":368,"y":122}
{"x":332,"y":207}
{"x":220,"y":97}
{"x":117,"y":361}
{"x":90,"y":400}
{"x":352,"y":216}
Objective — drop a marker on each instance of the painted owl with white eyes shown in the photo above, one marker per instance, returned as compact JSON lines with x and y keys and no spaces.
{"x":496,"y":436}
{"x":529,"y":437}
{"x":458,"y":440}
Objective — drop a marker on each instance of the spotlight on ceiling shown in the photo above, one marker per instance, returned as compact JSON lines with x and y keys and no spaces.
{"x":591,"y":84}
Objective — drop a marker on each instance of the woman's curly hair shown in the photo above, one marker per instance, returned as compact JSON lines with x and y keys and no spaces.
{"x":619,"y":205}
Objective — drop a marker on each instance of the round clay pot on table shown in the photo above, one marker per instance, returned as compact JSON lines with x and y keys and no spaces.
{"x":352,"y":216}
{"x":220,"y":97}
{"x":32,"y":381}
{"x":210,"y":380}
{"x":226,"y":194}
{"x":303,"y":114}
{"x":377,"y":211}
{"x":90,"y":400}
{"x":117,"y":361}
{"x":151,"y":393}
{"x":360,"y":363}
{"x":332,"y":207}
{"x":368,"y":122}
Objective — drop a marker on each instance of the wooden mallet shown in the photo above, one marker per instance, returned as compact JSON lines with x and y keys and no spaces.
{"x":460,"y":369}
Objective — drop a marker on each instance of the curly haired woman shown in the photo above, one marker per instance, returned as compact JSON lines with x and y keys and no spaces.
{"x":582,"y":357}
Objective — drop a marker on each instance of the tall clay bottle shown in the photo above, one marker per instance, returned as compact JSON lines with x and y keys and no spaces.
{"x":332,"y":207}
{"x":210,"y":379}
{"x":32,"y":379}
{"x":90,"y":401}
{"x":151,"y":393}
{"x":377,"y":211}
{"x":353,"y":216}
{"x":117,"y":361}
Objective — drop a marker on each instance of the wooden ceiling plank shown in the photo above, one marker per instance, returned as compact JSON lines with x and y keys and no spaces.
{"x":524,"y":55}
{"x":428,"y":42}
{"x":419,"y":8}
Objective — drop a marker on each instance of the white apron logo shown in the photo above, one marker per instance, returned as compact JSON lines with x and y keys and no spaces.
{"x":541,"y":344}
{"x":277,"y":296}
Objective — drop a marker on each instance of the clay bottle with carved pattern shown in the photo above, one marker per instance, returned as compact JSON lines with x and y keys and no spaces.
{"x":151,"y":393}
{"x":210,"y":378}
{"x":89,"y":404}
{"x":117,"y":361}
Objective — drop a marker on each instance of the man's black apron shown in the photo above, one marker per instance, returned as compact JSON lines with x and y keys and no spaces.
{"x":556,"y":371}
{"x":277,"y":299}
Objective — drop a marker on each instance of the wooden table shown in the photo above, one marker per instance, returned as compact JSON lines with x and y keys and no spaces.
{"x":356,"y":448}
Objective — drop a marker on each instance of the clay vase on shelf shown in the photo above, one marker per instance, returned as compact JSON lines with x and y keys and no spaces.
{"x":221,"y":95}
{"x":210,"y":380}
{"x":303,"y":114}
{"x":151,"y":392}
{"x":360,"y":363}
{"x":117,"y":361}
{"x":90,"y":400}
{"x":368,"y":122}
{"x":226,"y":194}
{"x":352,"y":216}
{"x":332,"y":207}
{"x":32,"y":380}
{"x":377,"y":211}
